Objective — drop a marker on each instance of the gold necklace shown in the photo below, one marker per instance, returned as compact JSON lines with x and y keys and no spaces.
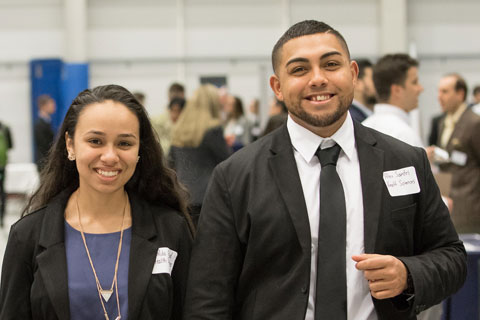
{"x":105,"y":294}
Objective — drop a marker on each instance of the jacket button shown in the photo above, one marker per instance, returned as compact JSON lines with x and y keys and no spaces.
{"x":304,"y":289}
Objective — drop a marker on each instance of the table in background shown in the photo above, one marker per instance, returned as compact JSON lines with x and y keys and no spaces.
{"x":21,"y":178}
{"x":465,"y":304}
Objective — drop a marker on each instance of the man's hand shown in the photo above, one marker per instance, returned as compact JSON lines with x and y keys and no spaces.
{"x":386,"y":275}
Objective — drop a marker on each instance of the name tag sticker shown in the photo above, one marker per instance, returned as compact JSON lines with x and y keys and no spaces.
{"x":459,"y":158}
{"x":164,"y":261}
{"x":401,"y":182}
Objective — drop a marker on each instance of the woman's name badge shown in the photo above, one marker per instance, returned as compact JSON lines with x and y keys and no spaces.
{"x":164,"y":261}
{"x":401,"y":182}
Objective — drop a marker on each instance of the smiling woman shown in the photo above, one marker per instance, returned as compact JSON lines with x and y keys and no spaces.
{"x":106,"y":213}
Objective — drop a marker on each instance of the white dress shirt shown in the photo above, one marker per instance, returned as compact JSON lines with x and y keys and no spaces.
{"x":305,"y":143}
{"x":393,"y":121}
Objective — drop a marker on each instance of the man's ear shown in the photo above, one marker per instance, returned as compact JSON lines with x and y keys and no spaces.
{"x":395,"y":90}
{"x":354,"y":70}
{"x":275,"y":85}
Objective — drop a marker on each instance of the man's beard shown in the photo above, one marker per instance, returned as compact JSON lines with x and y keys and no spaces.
{"x":324,"y":120}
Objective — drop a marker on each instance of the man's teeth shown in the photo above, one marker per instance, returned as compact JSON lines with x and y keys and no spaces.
{"x":320,"y":98}
{"x":108,"y":173}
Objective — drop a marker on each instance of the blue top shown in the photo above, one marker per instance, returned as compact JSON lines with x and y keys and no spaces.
{"x":82,"y":290}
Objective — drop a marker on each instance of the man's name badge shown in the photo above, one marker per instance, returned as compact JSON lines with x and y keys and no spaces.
{"x":401,"y":182}
{"x":459,"y":158}
{"x":164,"y":261}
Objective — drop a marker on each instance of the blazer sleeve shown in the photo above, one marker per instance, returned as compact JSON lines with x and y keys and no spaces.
{"x":215,"y":142}
{"x":216,"y":257}
{"x":438,"y":268}
{"x":17,"y":278}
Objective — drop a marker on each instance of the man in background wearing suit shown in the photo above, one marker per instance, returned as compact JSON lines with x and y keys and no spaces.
{"x":364,"y":95}
{"x":43,"y":132}
{"x":459,"y":135}
{"x":265,"y":216}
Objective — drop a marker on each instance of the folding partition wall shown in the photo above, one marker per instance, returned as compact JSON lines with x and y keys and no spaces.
{"x":60,"y":80}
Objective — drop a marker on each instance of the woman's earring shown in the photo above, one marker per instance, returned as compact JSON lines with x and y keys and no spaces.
{"x":71,"y":157}
{"x":138,"y":159}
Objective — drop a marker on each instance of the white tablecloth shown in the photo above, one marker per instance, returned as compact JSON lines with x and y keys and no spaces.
{"x":21,"y":178}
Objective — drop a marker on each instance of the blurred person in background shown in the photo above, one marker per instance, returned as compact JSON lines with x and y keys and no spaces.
{"x":396,"y":82}
{"x":6,"y":143}
{"x":278,"y":115}
{"x":253,"y":118}
{"x":176,"y":90}
{"x":364,"y":94}
{"x":459,"y":135}
{"x":476,"y":96}
{"x":107,"y":234}
{"x":164,"y":123}
{"x":237,"y":128}
{"x":198,"y":144}
{"x":43,"y":132}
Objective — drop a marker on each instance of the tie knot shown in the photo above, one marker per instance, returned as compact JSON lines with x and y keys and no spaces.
{"x":328,"y":156}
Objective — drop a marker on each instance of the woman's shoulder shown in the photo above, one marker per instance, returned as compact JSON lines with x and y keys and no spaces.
{"x":29,"y":226}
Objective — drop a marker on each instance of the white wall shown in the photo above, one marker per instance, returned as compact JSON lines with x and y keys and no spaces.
{"x":146,"y":44}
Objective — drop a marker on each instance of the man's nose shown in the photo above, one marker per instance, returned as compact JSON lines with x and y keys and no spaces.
{"x":318,"y":78}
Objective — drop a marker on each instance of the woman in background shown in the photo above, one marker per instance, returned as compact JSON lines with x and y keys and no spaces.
{"x":107,"y":235}
{"x":198,"y":144}
{"x":237,"y":127}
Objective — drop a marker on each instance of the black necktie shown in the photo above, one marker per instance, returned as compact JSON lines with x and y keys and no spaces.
{"x":331,"y":292}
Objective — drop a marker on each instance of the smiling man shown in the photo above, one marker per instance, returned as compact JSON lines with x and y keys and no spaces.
{"x":323,"y":218}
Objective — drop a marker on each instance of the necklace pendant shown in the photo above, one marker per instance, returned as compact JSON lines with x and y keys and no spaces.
{"x":106,"y":294}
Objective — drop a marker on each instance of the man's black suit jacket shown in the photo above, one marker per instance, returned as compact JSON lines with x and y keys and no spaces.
{"x":251,"y":256}
{"x":357,"y":113}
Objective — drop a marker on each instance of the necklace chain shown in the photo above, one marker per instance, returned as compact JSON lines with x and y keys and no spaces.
{"x":100,"y":290}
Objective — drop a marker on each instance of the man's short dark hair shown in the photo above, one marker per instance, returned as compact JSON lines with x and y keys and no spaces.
{"x":362,"y":65}
{"x":43,"y":100}
{"x":391,"y":69}
{"x":177,"y":102}
{"x":304,"y":28}
{"x":476,"y":90}
{"x":176,"y":88}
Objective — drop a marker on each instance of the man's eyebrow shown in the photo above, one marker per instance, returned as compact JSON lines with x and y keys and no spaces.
{"x":296,"y":60}
{"x":330,"y":53}
{"x":300,"y":59}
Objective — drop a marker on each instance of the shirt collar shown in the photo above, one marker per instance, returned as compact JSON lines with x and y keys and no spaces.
{"x":307,"y":142}
{"x":454,"y":117}
{"x":385,"y":108}
{"x":362,"y":107}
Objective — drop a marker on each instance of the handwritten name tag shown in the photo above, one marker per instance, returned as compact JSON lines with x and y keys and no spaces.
{"x":401,"y":182}
{"x":164,"y":261}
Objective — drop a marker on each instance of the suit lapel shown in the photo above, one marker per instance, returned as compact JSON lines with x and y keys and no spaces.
{"x":52,"y":261}
{"x":372,"y":183}
{"x":285,"y":174}
{"x":142,"y":256}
